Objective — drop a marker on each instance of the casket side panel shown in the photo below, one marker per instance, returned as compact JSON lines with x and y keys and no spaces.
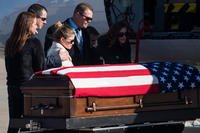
{"x":101,"y":106}
{"x":51,"y":96}
{"x":47,"y":96}
{"x":184,"y":99}
{"x":109,"y":106}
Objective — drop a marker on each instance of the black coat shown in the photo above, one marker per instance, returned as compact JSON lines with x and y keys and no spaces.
{"x":115,"y":53}
{"x":78,"y":58}
{"x":29,"y":60}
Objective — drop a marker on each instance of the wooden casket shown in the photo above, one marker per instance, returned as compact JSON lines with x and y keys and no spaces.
{"x":115,"y":91}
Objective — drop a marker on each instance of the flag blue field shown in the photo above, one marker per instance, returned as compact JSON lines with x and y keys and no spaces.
{"x":174,"y":76}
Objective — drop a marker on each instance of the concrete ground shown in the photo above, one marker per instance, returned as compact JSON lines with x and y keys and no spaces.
{"x":3,"y":95}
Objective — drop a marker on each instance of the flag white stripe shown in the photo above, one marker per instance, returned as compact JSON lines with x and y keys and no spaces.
{"x":48,"y":71}
{"x":100,"y":69}
{"x":114,"y":81}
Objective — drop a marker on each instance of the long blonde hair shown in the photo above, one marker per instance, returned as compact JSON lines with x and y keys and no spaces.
{"x":20,"y":33}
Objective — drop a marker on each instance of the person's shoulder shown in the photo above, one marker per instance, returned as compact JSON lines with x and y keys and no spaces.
{"x":66,"y":21}
{"x":51,"y":28}
{"x":103,"y":37}
{"x":34,"y":40}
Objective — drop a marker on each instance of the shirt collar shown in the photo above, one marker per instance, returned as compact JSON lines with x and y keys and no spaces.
{"x":72,"y":24}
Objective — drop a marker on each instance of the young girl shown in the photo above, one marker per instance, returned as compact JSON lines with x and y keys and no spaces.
{"x":58,"y":54}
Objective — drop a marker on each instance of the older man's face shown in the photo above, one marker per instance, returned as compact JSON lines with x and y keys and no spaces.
{"x":85,"y":18}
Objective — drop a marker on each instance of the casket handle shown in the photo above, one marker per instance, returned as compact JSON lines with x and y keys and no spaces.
{"x":182,"y":101}
{"x":44,"y":107}
{"x":95,"y":108}
{"x":188,"y":100}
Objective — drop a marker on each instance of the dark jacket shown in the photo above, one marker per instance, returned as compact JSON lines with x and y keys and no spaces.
{"x":22,"y":66}
{"x":115,"y":53}
{"x":78,"y":58}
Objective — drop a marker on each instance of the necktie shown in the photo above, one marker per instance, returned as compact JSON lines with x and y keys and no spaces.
{"x":79,"y":38}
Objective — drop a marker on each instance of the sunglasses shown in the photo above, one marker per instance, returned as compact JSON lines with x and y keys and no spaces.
{"x":71,"y":42}
{"x":88,"y":19}
{"x":43,"y":19}
{"x":121,"y":34}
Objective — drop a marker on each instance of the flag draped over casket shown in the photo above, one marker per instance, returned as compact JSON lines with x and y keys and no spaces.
{"x":123,"y":79}
{"x":109,"y":80}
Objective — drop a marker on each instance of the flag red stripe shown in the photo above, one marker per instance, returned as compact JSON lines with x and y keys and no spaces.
{"x":123,"y":73}
{"x":117,"y":91}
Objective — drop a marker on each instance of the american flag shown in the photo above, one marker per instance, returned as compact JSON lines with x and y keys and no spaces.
{"x":109,"y":80}
{"x":174,"y":76}
{"x":129,"y":79}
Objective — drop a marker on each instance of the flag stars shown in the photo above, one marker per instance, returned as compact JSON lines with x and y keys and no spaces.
{"x":166,"y":69}
{"x":180,"y":85}
{"x":174,"y":79}
{"x":174,"y":76}
{"x":178,"y":68}
{"x":164,"y":73}
{"x":198,"y":78}
{"x":154,"y":69}
{"x":188,"y":73}
{"x":191,"y":68}
{"x":179,"y":65}
{"x":162,"y":79}
{"x":192,"y":85}
{"x":186,"y":78}
{"x":155,"y":66}
{"x":169,"y":85}
{"x":156,"y":63}
{"x":176,"y":72}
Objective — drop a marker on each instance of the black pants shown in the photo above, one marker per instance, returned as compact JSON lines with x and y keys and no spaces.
{"x":15,"y":105}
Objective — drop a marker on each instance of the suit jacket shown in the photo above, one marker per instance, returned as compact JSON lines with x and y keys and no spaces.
{"x":78,"y":57}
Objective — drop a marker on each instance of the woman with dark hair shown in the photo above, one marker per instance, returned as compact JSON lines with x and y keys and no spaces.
{"x":23,"y":56}
{"x":113,"y":47}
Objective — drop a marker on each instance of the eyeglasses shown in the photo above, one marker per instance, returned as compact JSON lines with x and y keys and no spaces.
{"x":43,"y":19}
{"x":88,"y":19}
{"x":121,"y":34}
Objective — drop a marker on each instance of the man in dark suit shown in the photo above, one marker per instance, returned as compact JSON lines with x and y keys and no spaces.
{"x":81,"y":51}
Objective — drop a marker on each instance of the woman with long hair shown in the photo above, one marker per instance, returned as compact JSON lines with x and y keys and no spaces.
{"x":114,"y":47}
{"x":23,"y":56}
